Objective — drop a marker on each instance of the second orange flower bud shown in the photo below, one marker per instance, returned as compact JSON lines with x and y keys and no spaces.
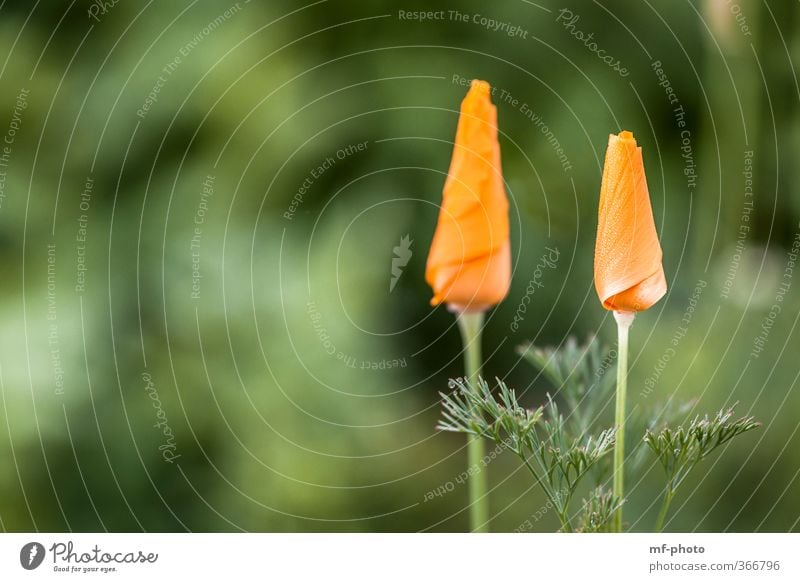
{"x":628,"y":274}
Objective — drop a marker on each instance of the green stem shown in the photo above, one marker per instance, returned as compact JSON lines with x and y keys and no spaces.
{"x":567,"y":526}
{"x":662,"y":515}
{"x":563,"y":517}
{"x":471,"y":325}
{"x":624,"y":320}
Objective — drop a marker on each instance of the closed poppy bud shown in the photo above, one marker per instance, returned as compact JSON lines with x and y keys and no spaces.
{"x":628,"y":274}
{"x":469,"y":264}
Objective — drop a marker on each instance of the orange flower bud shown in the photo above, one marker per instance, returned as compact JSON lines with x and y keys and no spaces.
{"x":469,"y":264}
{"x":628,"y":274}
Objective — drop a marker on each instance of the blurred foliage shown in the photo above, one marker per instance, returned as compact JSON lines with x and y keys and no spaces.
{"x":301,"y":394}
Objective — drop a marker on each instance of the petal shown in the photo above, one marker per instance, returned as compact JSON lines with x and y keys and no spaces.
{"x":627,"y":267}
{"x":469,"y":263}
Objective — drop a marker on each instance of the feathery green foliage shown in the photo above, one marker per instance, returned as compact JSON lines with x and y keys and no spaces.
{"x":582,"y":375}
{"x":556,"y":461}
{"x":598,"y":511}
{"x":679,"y":450}
{"x":560,"y":449}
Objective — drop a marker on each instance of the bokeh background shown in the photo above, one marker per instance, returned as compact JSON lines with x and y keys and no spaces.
{"x":197,"y":330}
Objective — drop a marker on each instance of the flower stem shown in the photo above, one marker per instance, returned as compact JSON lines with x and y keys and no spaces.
{"x":471,"y":325}
{"x":662,"y":515}
{"x":563,"y":517}
{"x":624,"y":320}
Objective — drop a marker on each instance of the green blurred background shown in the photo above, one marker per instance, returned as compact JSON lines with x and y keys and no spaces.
{"x":191,"y":342}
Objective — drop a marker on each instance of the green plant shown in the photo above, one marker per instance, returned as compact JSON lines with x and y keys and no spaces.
{"x":561,"y":448}
{"x":556,"y":461}
{"x":599,"y":509}
{"x":679,"y":450}
{"x":583,"y":376}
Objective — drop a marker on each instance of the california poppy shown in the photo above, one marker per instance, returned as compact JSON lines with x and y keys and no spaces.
{"x":469,"y":264}
{"x":628,"y":274}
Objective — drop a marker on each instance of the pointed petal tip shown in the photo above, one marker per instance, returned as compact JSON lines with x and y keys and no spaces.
{"x":480,"y":87}
{"x":623,"y":138}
